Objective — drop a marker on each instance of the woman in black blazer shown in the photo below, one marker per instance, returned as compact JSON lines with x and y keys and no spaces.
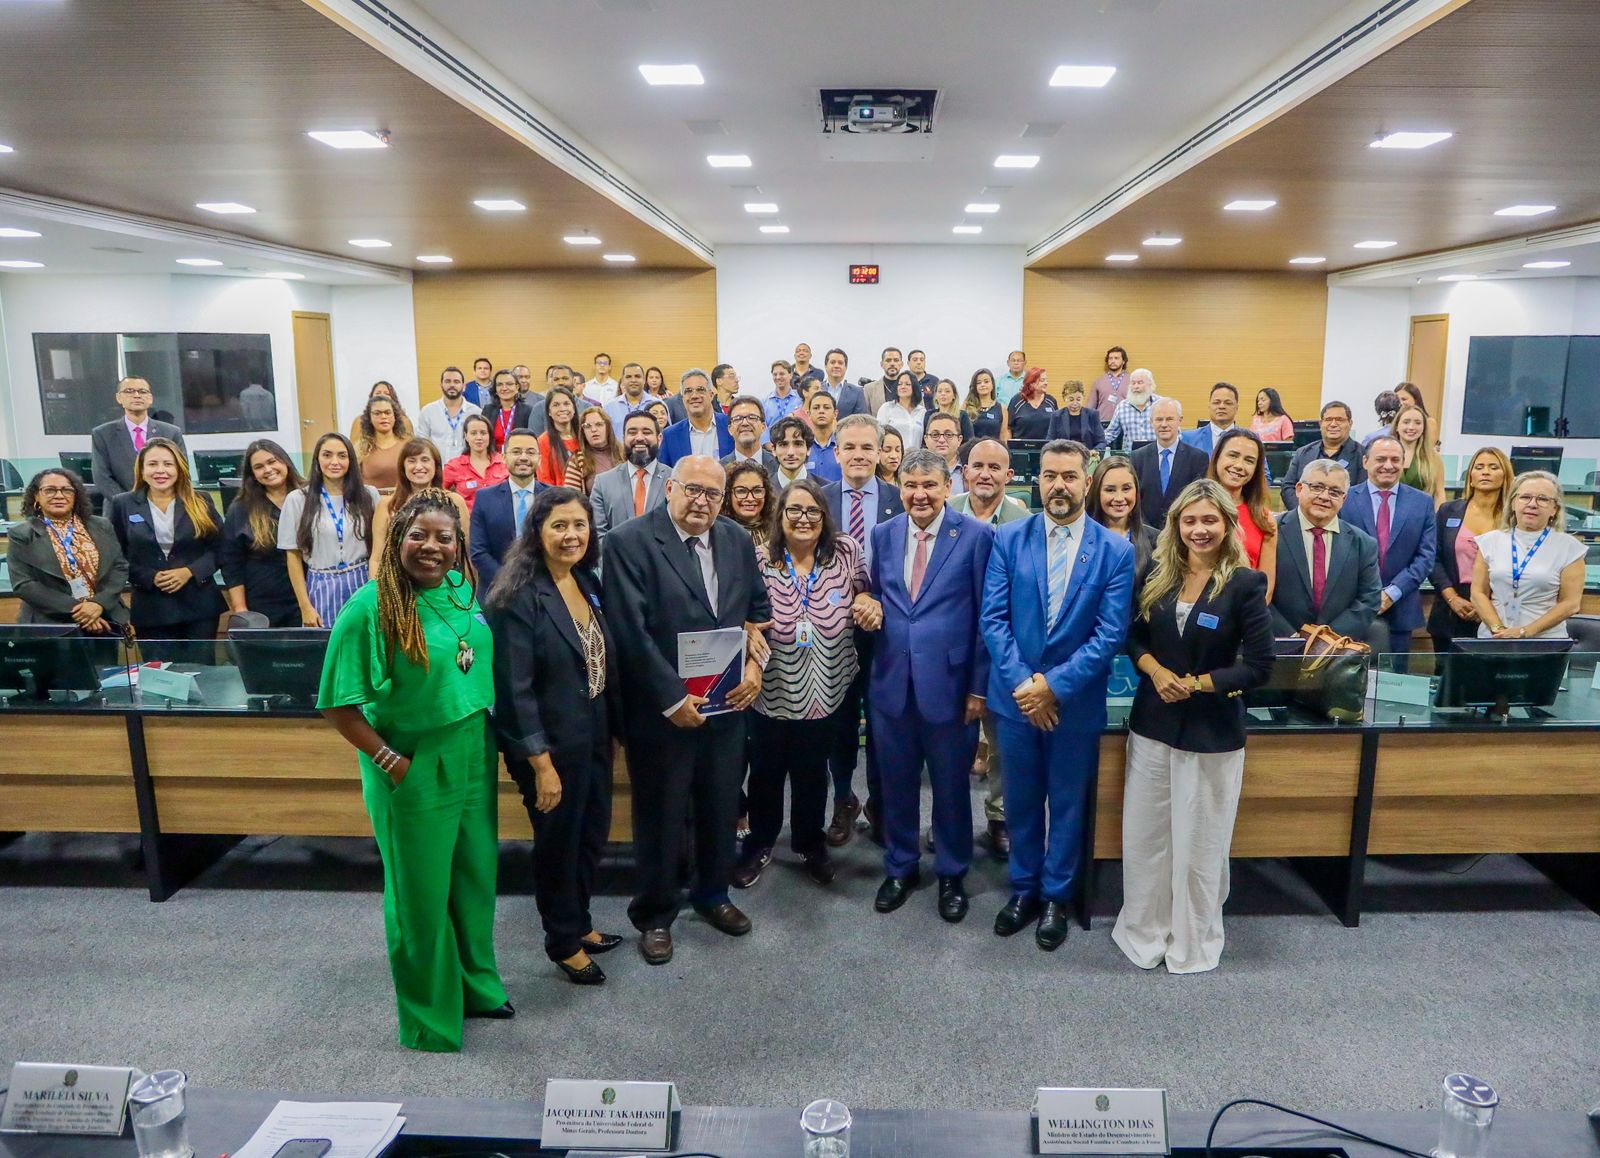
{"x":66,"y":564}
{"x":557,"y":694}
{"x":255,"y":573}
{"x":170,"y":534}
{"x":1488,"y":477}
{"x":506,"y":411}
{"x":1201,"y":635}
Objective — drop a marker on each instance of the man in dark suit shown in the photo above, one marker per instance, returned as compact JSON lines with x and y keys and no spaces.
{"x":499,"y":511}
{"x":928,"y":679}
{"x":1400,"y":520}
{"x":1167,"y":465}
{"x":704,"y":431}
{"x":631,"y":488}
{"x":1336,"y":444}
{"x":747,"y":422}
{"x":681,"y":568}
{"x":857,"y":504}
{"x":1327,"y":568}
{"x":847,"y":396}
{"x":116,"y":444}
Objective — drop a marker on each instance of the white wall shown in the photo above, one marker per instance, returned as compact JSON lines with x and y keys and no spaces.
{"x":962,"y":304}
{"x":374,"y":336}
{"x":1365,"y":347}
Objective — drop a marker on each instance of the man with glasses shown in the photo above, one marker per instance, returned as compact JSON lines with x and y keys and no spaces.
{"x":116,"y":444}
{"x":746,"y":422}
{"x":1327,"y":568}
{"x":1401,"y":521}
{"x":942,"y":435}
{"x":1335,"y":444}
{"x":681,"y":569}
{"x":705,"y":429}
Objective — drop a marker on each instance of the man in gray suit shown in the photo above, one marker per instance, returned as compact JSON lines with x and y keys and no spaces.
{"x":1327,"y":567}
{"x":116,"y":444}
{"x":635,"y":487}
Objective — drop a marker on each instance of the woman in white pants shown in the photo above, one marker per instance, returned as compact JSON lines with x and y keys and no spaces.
{"x":1201,"y":637}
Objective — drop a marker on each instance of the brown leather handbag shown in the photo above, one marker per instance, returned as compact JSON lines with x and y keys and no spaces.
{"x":1332,"y":680}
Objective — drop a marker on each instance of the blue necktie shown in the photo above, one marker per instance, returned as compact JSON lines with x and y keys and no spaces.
{"x":1166,"y":469}
{"x":1056,"y":586}
{"x":522,"y":508}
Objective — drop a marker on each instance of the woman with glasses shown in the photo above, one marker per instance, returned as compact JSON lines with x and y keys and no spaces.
{"x":66,"y":564}
{"x":1528,"y":578}
{"x":750,"y":500}
{"x":904,"y":411}
{"x":378,"y":443}
{"x":402,"y":424}
{"x":891,"y":449}
{"x":255,"y":574}
{"x":1459,"y":524}
{"x":507,"y":410}
{"x":814,"y":577}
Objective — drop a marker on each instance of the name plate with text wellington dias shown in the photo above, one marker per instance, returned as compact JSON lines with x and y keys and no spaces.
{"x":584,"y":1115}
{"x":1105,"y":1122}
{"x":54,"y":1099}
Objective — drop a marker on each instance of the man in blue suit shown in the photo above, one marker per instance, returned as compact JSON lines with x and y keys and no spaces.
{"x":929,"y":671}
{"x":1401,"y":519}
{"x":1056,"y":606}
{"x":498,"y":511}
{"x":704,"y":430}
{"x":1224,"y":407}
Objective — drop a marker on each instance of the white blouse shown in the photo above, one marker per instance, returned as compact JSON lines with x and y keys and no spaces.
{"x":326,"y":550}
{"x":907,"y":422}
{"x":1541,"y":577}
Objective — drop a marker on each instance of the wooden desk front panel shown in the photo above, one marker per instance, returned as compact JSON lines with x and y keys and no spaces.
{"x":67,"y":774}
{"x":1298,"y":797}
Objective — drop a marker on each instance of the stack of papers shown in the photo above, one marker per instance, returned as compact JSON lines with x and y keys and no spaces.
{"x":356,"y":1129}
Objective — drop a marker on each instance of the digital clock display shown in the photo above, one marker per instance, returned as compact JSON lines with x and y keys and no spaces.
{"x":863,"y":275}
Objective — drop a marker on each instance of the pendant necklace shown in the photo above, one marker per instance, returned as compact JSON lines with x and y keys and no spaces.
{"x":464,"y":651}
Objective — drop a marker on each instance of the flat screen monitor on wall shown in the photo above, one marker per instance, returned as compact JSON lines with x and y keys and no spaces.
{"x":1534,"y":386}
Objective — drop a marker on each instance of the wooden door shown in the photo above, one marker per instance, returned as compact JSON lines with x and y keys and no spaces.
{"x":1425,"y":363}
{"x":313,"y":378}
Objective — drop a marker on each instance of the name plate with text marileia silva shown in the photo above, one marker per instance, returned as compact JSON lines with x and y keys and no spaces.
{"x":582,"y":1115}
{"x":1069,"y":1121}
{"x":52,"y":1099}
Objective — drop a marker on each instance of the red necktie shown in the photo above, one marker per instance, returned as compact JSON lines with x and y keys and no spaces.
{"x":1319,"y":568}
{"x":638,"y":492}
{"x":1383,"y":525}
{"x":919,"y":563}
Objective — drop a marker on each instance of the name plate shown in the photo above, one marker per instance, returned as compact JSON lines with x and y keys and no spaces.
{"x":1400,"y":688}
{"x":174,"y":685}
{"x":584,"y":1115}
{"x":52,"y":1099}
{"x":1109,"y":1122}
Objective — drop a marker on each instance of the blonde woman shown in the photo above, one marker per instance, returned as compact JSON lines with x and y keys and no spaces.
{"x":1459,"y":524}
{"x":1423,"y":469}
{"x":1528,"y":580}
{"x":1200,"y":636}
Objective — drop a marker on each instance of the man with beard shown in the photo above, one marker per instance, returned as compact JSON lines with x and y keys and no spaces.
{"x":1112,"y":386}
{"x":632,"y":488}
{"x":880,"y":391}
{"x":441,"y":420}
{"x":746,"y":422}
{"x":1130,"y":421}
{"x":917,"y":363}
{"x":631,"y":398}
{"x":499,"y":511}
{"x":1056,"y":604}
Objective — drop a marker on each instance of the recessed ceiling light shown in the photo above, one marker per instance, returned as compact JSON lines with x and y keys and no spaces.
{"x":1307,"y":260}
{"x":760,"y":206}
{"x":1159,"y":240}
{"x":284,"y":275}
{"x":1016,"y":161}
{"x":223,"y":207}
{"x":1376,"y":244}
{"x":6,"y":149}
{"x":1122,"y":257}
{"x":21,"y":265}
{"x":198,"y":261}
{"x":13,"y":231}
{"x":369,"y":243}
{"x":983,"y":207}
{"x":774,"y":229}
{"x":350,"y":138}
{"x":671,"y":73}
{"x":1458,"y":277}
{"x":1081,"y":75}
{"x":499,"y":205}
{"x":1524,"y":210}
{"x":1246,"y":205}
{"x":967,"y":229}
{"x":620,"y":258}
{"x":1546,"y":264}
{"x":581,"y":239}
{"x":435,"y":258}
{"x":1410,"y":140}
{"x":727,"y":160}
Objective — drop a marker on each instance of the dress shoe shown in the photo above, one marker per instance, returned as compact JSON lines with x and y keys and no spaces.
{"x":952,"y":898}
{"x":1000,"y":838}
{"x":656,"y":946}
{"x":1020,"y":912}
{"x":1052,"y":930}
{"x":894,"y":891}
{"x":844,"y":821}
{"x":819,"y":866}
{"x":725,"y":918}
{"x":590,"y":974}
{"x":750,"y":867}
{"x":499,"y":1013}
{"x":606,"y":943}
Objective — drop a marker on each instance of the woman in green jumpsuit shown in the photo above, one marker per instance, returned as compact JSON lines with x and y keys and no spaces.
{"x":408,"y":681}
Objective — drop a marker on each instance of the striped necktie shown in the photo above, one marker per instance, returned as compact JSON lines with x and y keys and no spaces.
{"x":858,"y":521}
{"x":1060,"y":553}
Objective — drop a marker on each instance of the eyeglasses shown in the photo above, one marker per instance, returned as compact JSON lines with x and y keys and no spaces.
{"x":1324,"y":489}
{"x":803,"y":514}
{"x":942,"y":435}
{"x":698,"y":493}
{"x":742,"y":419}
{"x":136,"y":392}
{"x":54,"y":492}
{"x":1531,"y":500}
{"x":747,"y":493}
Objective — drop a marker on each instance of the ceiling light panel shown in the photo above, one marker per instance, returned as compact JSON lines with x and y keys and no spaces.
{"x":760,"y":207}
{"x":774,"y":229}
{"x":6,"y":149}
{"x":369,"y":243}
{"x":202,"y":262}
{"x":1458,"y":277}
{"x":1524,"y":210}
{"x":1122,"y":257}
{"x":619,"y":258}
{"x":1248,"y":205}
{"x":1082,"y":75}
{"x":983,"y":207}
{"x":581,"y":239}
{"x":350,"y":138}
{"x":1546,"y":264}
{"x":1307,"y":260}
{"x":1376,"y":244}
{"x":21,"y":265}
{"x":1163,"y":242}
{"x":671,"y":74}
{"x":1016,"y":161}
{"x":284,"y":275}
{"x":1409,"y":140}
{"x":223,"y":207}
{"x":499,"y":205}
{"x":728,"y":160}
{"x":967,"y":229}
{"x":435,"y":258}
{"x":13,"y":231}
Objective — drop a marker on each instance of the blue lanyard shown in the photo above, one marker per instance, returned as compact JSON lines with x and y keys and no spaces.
{"x":1518,"y":568}
{"x":66,"y":540}
{"x":811,"y":581}
{"x":337,"y":517}
{"x":455,"y":423}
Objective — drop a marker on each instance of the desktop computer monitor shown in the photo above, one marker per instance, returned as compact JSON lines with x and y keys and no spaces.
{"x":1025,"y":459}
{"x":280,"y":667}
{"x":1501,"y":674}
{"x":39,"y":658}
{"x":80,"y":463}
{"x":1140,"y":444}
{"x":1280,"y":456}
{"x":1526,"y":458}
{"x":1307,"y":432}
{"x":212,"y":466}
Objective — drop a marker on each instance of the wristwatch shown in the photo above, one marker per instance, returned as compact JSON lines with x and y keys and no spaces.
{"x":1196,"y":685}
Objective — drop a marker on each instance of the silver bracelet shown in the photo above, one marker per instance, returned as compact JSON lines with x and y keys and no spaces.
{"x":386,"y":758}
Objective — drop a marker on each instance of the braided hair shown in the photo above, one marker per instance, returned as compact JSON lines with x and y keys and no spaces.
{"x":398,"y":621}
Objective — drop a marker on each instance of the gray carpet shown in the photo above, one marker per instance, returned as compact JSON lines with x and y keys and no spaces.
{"x":269,"y":972}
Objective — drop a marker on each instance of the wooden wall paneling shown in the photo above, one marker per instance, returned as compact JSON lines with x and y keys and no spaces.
{"x":1188,"y":329}
{"x":1516,"y":824}
{"x":1479,"y":765}
{"x":82,"y":786}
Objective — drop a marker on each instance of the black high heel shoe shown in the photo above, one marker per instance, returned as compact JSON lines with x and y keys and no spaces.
{"x":590,"y":974}
{"x":501,"y":1013}
{"x":606,"y":943}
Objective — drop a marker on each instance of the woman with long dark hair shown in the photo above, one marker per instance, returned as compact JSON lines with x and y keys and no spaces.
{"x":1239,"y":466}
{"x":478,"y":466}
{"x":1270,"y":422}
{"x":655,"y":382}
{"x":560,"y":439}
{"x":65,"y":562}
{"x":255,"y":573}
{"x":378,"y":445}
{"x":943,"y":401}
{"x":421,"y":467}
{"x":408,"y":683}
{"x":984,"y":408}
{"x":750,"y":499}
{"x":325,"y":530}
{"x":904,"y":411}
{"x":402,"y":424}
{"x":598,"y":450}
{"x":557,"y":714}
{"x":1114,"y":503}
{"x":891,"y":449}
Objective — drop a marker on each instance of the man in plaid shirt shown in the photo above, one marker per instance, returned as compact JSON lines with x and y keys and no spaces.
{"x":1130,"y":423}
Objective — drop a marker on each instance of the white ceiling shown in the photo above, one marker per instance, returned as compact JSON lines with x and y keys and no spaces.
{"x":765,"y":60}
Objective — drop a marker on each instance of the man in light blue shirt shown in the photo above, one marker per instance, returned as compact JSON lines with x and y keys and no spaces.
{"x":1009,"y":384}
{"x":629,"y":399}
{"x":785,"y":397}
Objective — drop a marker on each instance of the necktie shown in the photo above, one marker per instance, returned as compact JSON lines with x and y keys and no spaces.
{"x":919,"y":563}
{"x":1166,"y":469}
{"x":522,"y":508}
{"x":1383,"y":525}
{"x":700,"y":550}
{"x":858,"y":521}
{"x":138,"y":439}
{"x":1060,"y":552}
{"x":1319,"y":568}
{"x":638,"y":492}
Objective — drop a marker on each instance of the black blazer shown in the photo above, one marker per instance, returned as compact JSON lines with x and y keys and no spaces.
{"x":37,"y":579}
{"x":541,"y":685}
{"x":1447,"y":522}
{"x":113,"y":456}
{"x":654,"y":592}
{"x":262,"y":572}
{"x":1188,"y":464}
{"x":1351,"y":598}
{"x":1090,"y":430}
{"x":1229,"y":637}
{"x":153,"y":608}
{"x":521,"y":416}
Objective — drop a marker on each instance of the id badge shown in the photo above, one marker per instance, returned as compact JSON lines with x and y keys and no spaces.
{"x":802,"y":633}
{"x":79,"y":588}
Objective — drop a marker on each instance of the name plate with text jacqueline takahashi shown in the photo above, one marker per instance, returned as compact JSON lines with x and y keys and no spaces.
{"x":52,"y":1099}
{"x":1107,"y":1122}
{"x":584,"y":1115}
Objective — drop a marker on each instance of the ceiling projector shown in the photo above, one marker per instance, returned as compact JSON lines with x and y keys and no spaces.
{"x":866,"y":116}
